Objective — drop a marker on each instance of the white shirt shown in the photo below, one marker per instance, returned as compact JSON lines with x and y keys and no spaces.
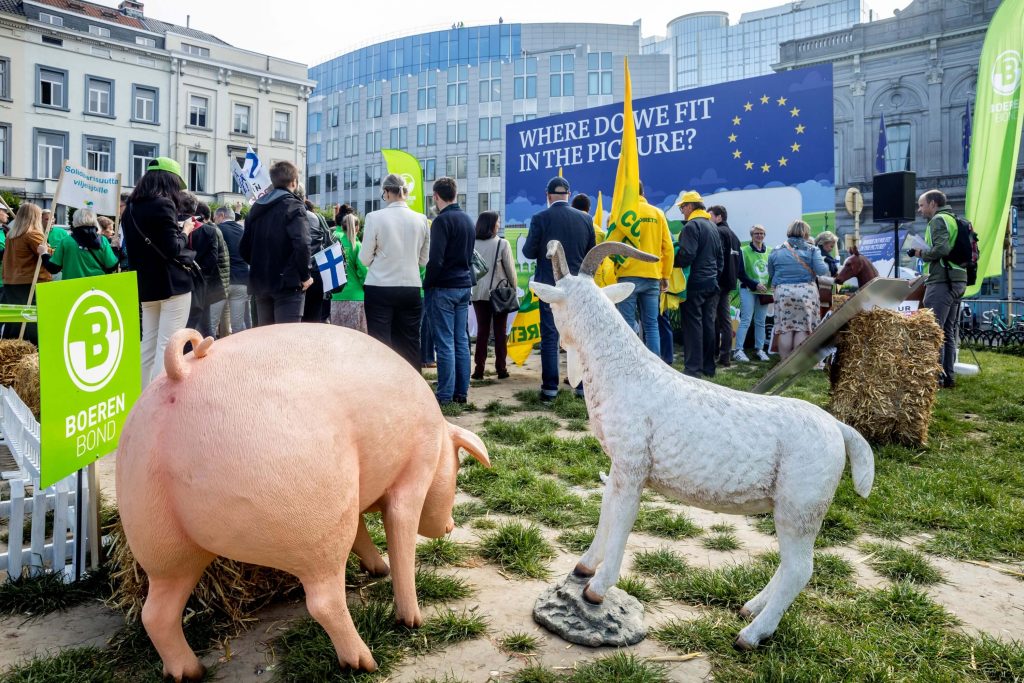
{"x":396,"y":242}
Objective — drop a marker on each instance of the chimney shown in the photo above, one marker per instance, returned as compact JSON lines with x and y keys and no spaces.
{"x":131,"y":8}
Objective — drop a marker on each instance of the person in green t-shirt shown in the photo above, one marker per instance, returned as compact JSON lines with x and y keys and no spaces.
{"x":347,"y":305}
{"x":753,"y":288}
{"x":83,"y":252}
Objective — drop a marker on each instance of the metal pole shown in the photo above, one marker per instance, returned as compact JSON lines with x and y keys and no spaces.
{"x":94,"y":519}
{"x":79,"y":519}
{"x":896,"y":248}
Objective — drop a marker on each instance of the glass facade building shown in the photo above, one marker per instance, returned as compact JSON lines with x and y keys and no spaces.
{"x":446,"y":96}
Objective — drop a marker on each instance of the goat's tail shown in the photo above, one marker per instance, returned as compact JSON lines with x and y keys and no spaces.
{"x":174,"y":361}
{"x":463,"y":438}
{"x":862,"y":459}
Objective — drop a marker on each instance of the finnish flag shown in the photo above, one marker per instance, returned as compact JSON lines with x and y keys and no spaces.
{"x":331,"y":262}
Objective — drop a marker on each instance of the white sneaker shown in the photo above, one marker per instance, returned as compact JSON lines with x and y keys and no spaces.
{"x":761,"y":355}
{"x":740,"y":357}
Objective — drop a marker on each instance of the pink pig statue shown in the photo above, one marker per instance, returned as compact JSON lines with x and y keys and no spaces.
{"x":266,"y":447}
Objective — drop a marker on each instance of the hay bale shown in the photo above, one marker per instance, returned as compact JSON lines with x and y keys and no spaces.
{"x":838,"y":300}
{"x":229,"y":592}
{"x":885,"y":376}
{"x":12,"y":351}
{"x":26,"y":381}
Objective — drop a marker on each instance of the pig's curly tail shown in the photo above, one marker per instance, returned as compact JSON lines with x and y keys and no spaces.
{"x":174,"y":361}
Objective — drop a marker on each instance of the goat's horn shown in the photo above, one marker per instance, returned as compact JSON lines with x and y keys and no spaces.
{"x":559,"y":265}
{"x":592,"y":261}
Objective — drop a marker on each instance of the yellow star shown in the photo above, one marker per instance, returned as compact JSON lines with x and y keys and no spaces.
{"x":737,"y":154}
{"x":748,"y":106}
{"x":735,"y":120}
{"x":795,"y":147}
{"x":765,"y":168}
{"x":794,"y":112}
{"x":800,"y":129}
{"x":764,"y":99}
{"x":781,"y":101}
{"x":732,"y":138}
{"x":783,"y":161}
{"x":749,"y":165}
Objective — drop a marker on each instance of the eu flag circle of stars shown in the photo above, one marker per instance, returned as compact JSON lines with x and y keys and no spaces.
{"x":766,"y":165}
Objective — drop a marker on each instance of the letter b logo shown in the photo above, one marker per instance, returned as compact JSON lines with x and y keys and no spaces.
{"x":1006,"y":72}
{"x":93,"y":341}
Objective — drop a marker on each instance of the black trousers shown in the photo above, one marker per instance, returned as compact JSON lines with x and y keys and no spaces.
{"x":279,"y":307}
{"x":313,"y":309}
{"x":723,"y":325}
{"x":18,"y":294}
{"x":393,"y":317}
{"x":698,"y":313}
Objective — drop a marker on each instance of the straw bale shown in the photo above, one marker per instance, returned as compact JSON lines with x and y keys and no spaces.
{"x":229,"y":592}
{"x":12,"y":351}
{"x":885,"y":376}
{"x":26,"y":381}
{"x":838,"y":300}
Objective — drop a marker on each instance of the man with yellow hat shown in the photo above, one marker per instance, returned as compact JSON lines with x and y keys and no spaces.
{"x":700,"y":249}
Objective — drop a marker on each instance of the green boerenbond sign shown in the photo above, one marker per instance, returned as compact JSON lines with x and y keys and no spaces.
{"x":90,"y":370}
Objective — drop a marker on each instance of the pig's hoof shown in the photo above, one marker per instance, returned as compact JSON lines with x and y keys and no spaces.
{"x":377,"y":570}
{"x":189,"y":674}
{"x":741,"y":645}
{"x":583,"y":571}
{"x":414,"y":620}
{"x":592,"y":597}
{"x":361,"y":660}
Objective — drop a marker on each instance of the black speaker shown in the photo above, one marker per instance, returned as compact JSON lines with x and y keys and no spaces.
{"x":894,"y":198}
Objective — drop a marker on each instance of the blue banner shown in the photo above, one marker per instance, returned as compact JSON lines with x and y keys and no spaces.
{"x":762,"y":147}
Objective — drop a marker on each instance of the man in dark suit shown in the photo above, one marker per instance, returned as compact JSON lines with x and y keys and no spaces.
{"x":575,"y":230}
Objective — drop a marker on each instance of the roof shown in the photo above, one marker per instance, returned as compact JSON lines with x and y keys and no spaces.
{"x":10,"y":7}
{"x":111,"y":14}
{"x":158,"y":26}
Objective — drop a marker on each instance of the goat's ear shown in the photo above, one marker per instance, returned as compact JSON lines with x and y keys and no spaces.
{"x":620,"y":291}
{"x":548,"y":293}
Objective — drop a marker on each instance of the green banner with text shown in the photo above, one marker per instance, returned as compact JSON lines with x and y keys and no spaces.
{"x":406,"y":165}
{"x":90,"y":370}
{"x":995,"y":140}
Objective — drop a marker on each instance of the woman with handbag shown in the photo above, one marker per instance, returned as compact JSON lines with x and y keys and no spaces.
{"x":165,"y":267}
{"x":494,"y":295}
{"x":755,"y":297}
{"x":794,"y":268}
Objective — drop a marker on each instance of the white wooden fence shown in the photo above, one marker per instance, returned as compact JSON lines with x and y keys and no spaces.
{"x":24,"y":502}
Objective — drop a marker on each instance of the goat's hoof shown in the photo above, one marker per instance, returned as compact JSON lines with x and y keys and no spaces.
{"x":582,"y":571}
{"x":741,"y":645}
{"x":746,"y":613}
{"x":592,"y":597}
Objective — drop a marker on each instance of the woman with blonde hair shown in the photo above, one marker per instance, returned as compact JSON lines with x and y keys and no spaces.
{"x":21,"y":261}
{"x":793,"y":268}
{"x":347,"y":305}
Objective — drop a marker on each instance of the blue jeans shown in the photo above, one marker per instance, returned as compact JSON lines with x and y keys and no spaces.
{"x":426,"y":339}
{"x":646,"y":294}
{"x":751,"y":309}
{"x":548,"y":352}
{"x":449,"y":319}
{"x":667,"y":342}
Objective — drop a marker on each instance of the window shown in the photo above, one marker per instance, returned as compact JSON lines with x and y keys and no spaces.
{"x":351,"y":178}
{"x":460,"y":199}
{"x":374,"y":101}
{"x":490,"y":82}
{"x":399,"y":138}
{"x":399,"y":95}
{"x":99,"y":153}
{"x":490,"y":166}
{"x":455,"y":167}
{"x":52,"y":88}
{"x":99,"y":31}
{"x":897,"y":151}
{"x":50,"y":147}
{"x":371,"y":205}
{"x":145,"y":42}
{"x":426,"y":134}
{"x":51,"y":19}
{"x":282,"y":125}
{"x":351,"y":145}
{"x":490,"y":128}
{"x":517,"y":118}
{"x":525,"y":80}
{"x":458,"y":131}
{"x":426,"y":93}
{"x":331,"y":182}
{"x":144,"y":104}
{"x":352,"y":112}
{"x":333,"y":148}
{"x":373,"y":141}
{"x":141,"y":154}
{"x":5,"y":149}
{"x":313,"y":122}
{"x":312,"y":183}
{"x":197,"y":110}
{"x":429,"y":167}
{"x":333,"y":117}
{"x":458,"y":85}
{"x":99,"y":95}
{"x":197,"y":171}
{"x":195,"y":50}
{"x":240,"y":115}
{"x":488,"y":201}
{"x":561,"y":79}
{"x":373,"y":175}
{"x":599,"y":73}
{"x":5,"y":78}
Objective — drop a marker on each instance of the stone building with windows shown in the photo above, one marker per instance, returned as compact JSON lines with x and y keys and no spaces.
{"x":919,"y":68}
{"x":111,"y":88}
{"x":446,"y":96}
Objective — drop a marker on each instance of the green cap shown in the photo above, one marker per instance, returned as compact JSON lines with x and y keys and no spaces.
{"x":167,"y":164}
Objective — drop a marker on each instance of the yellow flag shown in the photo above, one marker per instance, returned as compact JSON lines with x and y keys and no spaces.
{"x":599,"y":216}
{"x":525,"y":330}
{"x":622,"y":223}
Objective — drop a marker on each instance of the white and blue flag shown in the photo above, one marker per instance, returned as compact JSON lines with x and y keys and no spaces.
{"x":331,"y":262}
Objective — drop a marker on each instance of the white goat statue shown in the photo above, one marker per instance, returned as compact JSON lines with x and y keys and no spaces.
{"x":703,"y":444}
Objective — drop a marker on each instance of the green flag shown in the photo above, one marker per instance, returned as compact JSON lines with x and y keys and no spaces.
{"x":406,"y":165}
{"x":995,"y":140}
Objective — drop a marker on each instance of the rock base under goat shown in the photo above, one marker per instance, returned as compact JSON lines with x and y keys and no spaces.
{"x":616,"y":622}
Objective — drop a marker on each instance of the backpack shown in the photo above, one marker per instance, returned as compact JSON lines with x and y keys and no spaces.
{"x":964,"y":252}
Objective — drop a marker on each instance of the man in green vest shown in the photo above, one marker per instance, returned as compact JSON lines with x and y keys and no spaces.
{"x":946,"y":281}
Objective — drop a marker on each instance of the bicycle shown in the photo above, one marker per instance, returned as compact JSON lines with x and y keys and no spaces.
{"x":996,"y":322}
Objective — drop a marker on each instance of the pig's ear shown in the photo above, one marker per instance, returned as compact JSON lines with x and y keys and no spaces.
{"x":547,"y":293}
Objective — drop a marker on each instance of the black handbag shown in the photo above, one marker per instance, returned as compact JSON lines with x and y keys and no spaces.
{"x":185,"y":260}
{"x":504,"y":298}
